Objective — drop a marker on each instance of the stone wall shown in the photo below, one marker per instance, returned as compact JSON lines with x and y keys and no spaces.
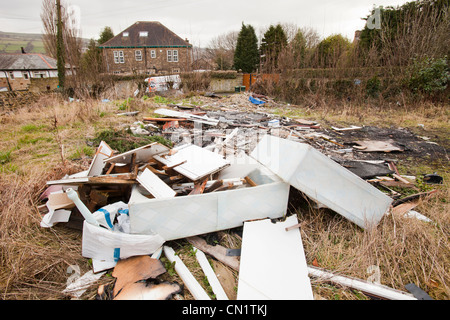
{"x":225,"y":85}
{"x":12,"y":100}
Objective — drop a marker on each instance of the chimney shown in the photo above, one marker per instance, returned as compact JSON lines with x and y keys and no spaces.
{"x":186,"y":40}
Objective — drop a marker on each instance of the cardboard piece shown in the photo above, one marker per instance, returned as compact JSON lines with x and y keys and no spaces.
{"x":144,"y":291}
{"x":135,"y":269}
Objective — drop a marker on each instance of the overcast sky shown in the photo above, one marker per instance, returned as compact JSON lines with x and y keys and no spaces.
{"x":200,"y":20}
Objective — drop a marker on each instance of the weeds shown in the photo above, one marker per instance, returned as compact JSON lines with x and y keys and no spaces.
{"x":123,"y":140}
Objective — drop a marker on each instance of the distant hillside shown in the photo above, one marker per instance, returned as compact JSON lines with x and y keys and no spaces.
{"x":32,"y":42}
{"x":13,"y":42}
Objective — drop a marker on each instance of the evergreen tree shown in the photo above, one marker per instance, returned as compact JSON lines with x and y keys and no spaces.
{"x":105,"y":35}
{"x":331,"y":50}
{"x":246,"y":56}
{"x":273,"y":42}
{"x":298,"y":47}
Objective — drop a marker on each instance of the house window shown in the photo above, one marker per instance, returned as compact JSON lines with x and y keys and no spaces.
{"x":11,"y":75}
{"x":143,"y":34}
{"x":176,"y":70}
{"x":138,"y":55}
{"x":126,"y":34}
{"x":25,"y":75}
{"x":118,"y":57}
{"x":172,"y":55}
{"x":39,"y":74}
{"x":153,"y":54}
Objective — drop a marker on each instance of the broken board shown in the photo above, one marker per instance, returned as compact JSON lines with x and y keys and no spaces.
{"x":154,"y":185}
{"x":104,"y":151}
{"x":273,"y":264}
{"x":377,"y":146}
{"x":143,"y":154}
{"x":192,"y":161}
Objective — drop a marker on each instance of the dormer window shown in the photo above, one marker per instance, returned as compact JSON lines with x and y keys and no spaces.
{"x":143,"y":34}
{"x":125,"y":34}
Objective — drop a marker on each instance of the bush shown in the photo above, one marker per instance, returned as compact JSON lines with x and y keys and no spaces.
{"x":124,"y":141}
{"x":428,"y":76}
{"x":373,"y":87}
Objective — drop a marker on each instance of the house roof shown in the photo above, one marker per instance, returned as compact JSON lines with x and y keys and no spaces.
{"x":26,"y":61}
{"x":157,"y":35}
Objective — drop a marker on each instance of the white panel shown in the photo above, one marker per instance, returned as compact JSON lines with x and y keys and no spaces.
{"x":199,"y":162}
{"x":154,"y":185}
{"x":273,"y":264}
{"x":143,"y":154}
{"x":103,"y":152}
{"x":187,"y":216}
{"x":323,"y":180}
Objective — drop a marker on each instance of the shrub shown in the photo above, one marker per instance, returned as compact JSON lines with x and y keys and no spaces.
{"x":373,"y":87}
{"x":428,"y":75}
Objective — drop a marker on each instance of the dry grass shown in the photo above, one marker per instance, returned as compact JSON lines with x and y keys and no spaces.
{"x":34,"y":261}
{"x":406,"y":250}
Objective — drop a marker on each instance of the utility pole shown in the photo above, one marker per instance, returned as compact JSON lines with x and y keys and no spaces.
{"x":60,"y":52}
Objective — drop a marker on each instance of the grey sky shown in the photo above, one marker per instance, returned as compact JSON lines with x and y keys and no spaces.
{"x":200,"y":20}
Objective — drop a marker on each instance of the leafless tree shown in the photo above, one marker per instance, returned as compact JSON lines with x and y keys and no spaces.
{"x":71,"y":34}
{"x":221,"y":50}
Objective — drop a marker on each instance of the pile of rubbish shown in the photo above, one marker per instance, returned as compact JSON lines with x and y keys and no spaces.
{"x":227,"y":169}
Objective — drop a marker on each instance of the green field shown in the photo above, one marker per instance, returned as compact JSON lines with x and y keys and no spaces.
{"x":13,"y":42}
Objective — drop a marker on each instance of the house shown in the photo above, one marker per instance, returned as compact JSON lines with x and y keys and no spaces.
{"x":147,"y":47}
{"x":17,"y":70}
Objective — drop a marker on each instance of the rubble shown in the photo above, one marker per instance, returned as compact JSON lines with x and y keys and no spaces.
{"x":228,"y":168}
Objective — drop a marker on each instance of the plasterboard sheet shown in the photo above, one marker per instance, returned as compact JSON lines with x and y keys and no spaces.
{"x":104,"y":151}
{"x":143,"y":154}
{"x":197,"y":162}
{"x":323,"y":180}
{"x":154,"y":185}
{"x":185,"y":115}
{"x":273,"y":264}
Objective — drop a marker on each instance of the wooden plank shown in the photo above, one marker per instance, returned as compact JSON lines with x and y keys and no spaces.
{"x":219,"y":252}
{"x":163,"y":119}
{"x":127,"y":179}
{"x":199,"y":188}
{"x":155,"y":185}
{"x":250,"y":181}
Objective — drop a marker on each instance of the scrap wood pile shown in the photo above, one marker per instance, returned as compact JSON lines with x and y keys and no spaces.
{"x":238,"y":173}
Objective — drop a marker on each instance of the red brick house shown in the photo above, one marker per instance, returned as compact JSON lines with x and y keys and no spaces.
{"x":147,"y":47}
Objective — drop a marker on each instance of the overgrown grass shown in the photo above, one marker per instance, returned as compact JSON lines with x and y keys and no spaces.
{"x":34,"y":261}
